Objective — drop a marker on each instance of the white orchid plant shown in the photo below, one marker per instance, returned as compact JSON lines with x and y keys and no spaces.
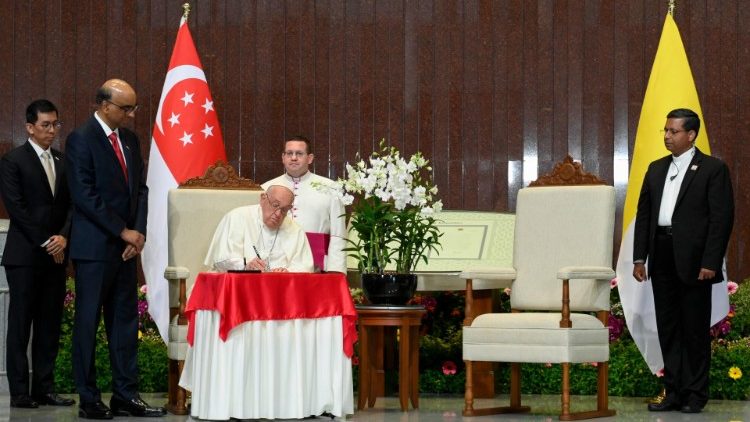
{"x":393,"y":205}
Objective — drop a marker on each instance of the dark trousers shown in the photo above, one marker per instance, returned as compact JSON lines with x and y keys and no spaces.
{"x":107,"y":288}
{"x":36,"y":297}
{"x":683,"y":319}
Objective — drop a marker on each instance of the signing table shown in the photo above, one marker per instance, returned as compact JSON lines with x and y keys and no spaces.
{"x":269,"y":346}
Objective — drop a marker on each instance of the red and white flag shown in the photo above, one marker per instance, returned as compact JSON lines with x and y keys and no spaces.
{"x":186,"y":141}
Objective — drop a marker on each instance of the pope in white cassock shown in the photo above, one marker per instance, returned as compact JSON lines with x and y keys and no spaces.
{"x":261,"y":237}
{"x":319,"y":213}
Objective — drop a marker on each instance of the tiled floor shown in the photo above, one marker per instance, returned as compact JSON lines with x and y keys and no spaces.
{"x":444,"y":409}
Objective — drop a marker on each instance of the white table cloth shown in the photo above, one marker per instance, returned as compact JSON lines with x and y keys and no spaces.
{"x":282,"y":369}
{"x":270,"y":345}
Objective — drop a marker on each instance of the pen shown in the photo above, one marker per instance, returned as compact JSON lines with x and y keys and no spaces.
{"x":258,"y":255}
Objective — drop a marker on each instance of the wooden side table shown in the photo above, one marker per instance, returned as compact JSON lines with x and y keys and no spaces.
{"x":372,"y":319}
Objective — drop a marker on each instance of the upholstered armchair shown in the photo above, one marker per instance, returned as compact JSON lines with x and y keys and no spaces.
{"x":560,"y":284}
{"x":193,"y":212}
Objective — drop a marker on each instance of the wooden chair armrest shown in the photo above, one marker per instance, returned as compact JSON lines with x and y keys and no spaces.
{"x":579,"y":273}
{"x":179,"y":274}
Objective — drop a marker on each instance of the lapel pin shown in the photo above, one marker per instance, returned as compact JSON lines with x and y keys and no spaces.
{"x":694,"y":167}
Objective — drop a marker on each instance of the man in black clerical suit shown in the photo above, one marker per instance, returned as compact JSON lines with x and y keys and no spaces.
{"x":106,"y":175}
{"x":683,"y":223}
{"x":35,"y":194}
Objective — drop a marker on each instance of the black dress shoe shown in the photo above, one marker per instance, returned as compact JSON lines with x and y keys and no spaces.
{"x":691,"y":408}
{"x":322,"y":415}
{"x":134,"y":407}
{"x":95,"y":410}
{"x":54,"y":399}
{"x":664,"y":406}
{"x":23,"y":401}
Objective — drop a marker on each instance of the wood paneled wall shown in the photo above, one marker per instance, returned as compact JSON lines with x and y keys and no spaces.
{"x":493,"y":92}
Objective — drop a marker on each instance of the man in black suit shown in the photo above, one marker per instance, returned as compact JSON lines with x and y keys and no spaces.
{"x":683,"y":223}
{"x":106,"y":177}
{"x":35,"y":193}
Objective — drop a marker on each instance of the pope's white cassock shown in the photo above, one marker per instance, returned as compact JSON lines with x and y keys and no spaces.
{"x":321,"y":216}
{"x":265,"y":368}
{"x":242,"y":228}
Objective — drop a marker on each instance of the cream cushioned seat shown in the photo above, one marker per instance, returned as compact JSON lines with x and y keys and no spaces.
{"x":562,"y":267}
{"x":536,"y":338}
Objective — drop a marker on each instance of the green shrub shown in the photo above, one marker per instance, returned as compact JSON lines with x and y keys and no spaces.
{"x":440,"y":344}
{"x":740,"y":321}
{"x":628,"y":373}
{"x":152,"y":364}
{"x":435,"y":350}
{"x":441,"y":329}
{"x":152,"y":352}
{"x":435,"y":381}
{"x":629,"y":376}
{"x":725,"y":356}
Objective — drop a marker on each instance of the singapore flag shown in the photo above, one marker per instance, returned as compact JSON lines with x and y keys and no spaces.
{"x":186,"y":141}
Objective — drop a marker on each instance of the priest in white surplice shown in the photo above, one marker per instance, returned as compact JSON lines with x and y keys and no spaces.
{"x":261,"y":237}
{"x":319,"y":213}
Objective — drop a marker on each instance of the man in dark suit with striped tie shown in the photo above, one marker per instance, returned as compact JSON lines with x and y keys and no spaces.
{"x":107,"y":184}
{"x":35,"y":194}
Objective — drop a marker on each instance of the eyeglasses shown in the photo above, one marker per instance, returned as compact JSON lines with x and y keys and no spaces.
{"x":50,"y":125}
{"x":298,"y":154}
{"x":126,"y":109}
{"x":672,"y":132}
{"x":277,"y":208}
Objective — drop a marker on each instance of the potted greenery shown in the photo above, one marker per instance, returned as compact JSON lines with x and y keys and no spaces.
{"x":392,"y":223}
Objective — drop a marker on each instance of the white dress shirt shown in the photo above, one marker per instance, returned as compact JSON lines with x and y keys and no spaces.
{"x":676,"y":173}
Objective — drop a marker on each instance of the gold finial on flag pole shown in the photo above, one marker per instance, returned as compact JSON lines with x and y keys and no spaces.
{"x":186,"y":8}
{"x":671,"y":7}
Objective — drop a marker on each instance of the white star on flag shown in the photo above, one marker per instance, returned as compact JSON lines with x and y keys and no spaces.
{"x":175,"y":119}
{"x":209,"y":105}
{"x":187,"y":99}
{"x":186,"y":139}
{"x":207,"y":131}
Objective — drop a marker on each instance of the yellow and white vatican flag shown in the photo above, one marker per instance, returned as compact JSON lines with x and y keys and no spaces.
{"x":670,"y":86}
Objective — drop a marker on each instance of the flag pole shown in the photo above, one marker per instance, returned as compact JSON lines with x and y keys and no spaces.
{"x":657,"y":399}
{"x":186,"y":10}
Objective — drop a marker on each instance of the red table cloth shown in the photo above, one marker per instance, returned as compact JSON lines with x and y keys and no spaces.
{"x":239,"y":298}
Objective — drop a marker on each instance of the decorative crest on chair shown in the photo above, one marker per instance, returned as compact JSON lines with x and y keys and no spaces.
{"x":220,"y":176}
{"x":568,"y":172}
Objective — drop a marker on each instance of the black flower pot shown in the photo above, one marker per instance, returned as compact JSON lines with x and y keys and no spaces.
{"x":389,"y":289}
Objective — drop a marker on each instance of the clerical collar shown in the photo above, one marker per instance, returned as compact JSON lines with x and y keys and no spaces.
{"x":298,"y":179}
